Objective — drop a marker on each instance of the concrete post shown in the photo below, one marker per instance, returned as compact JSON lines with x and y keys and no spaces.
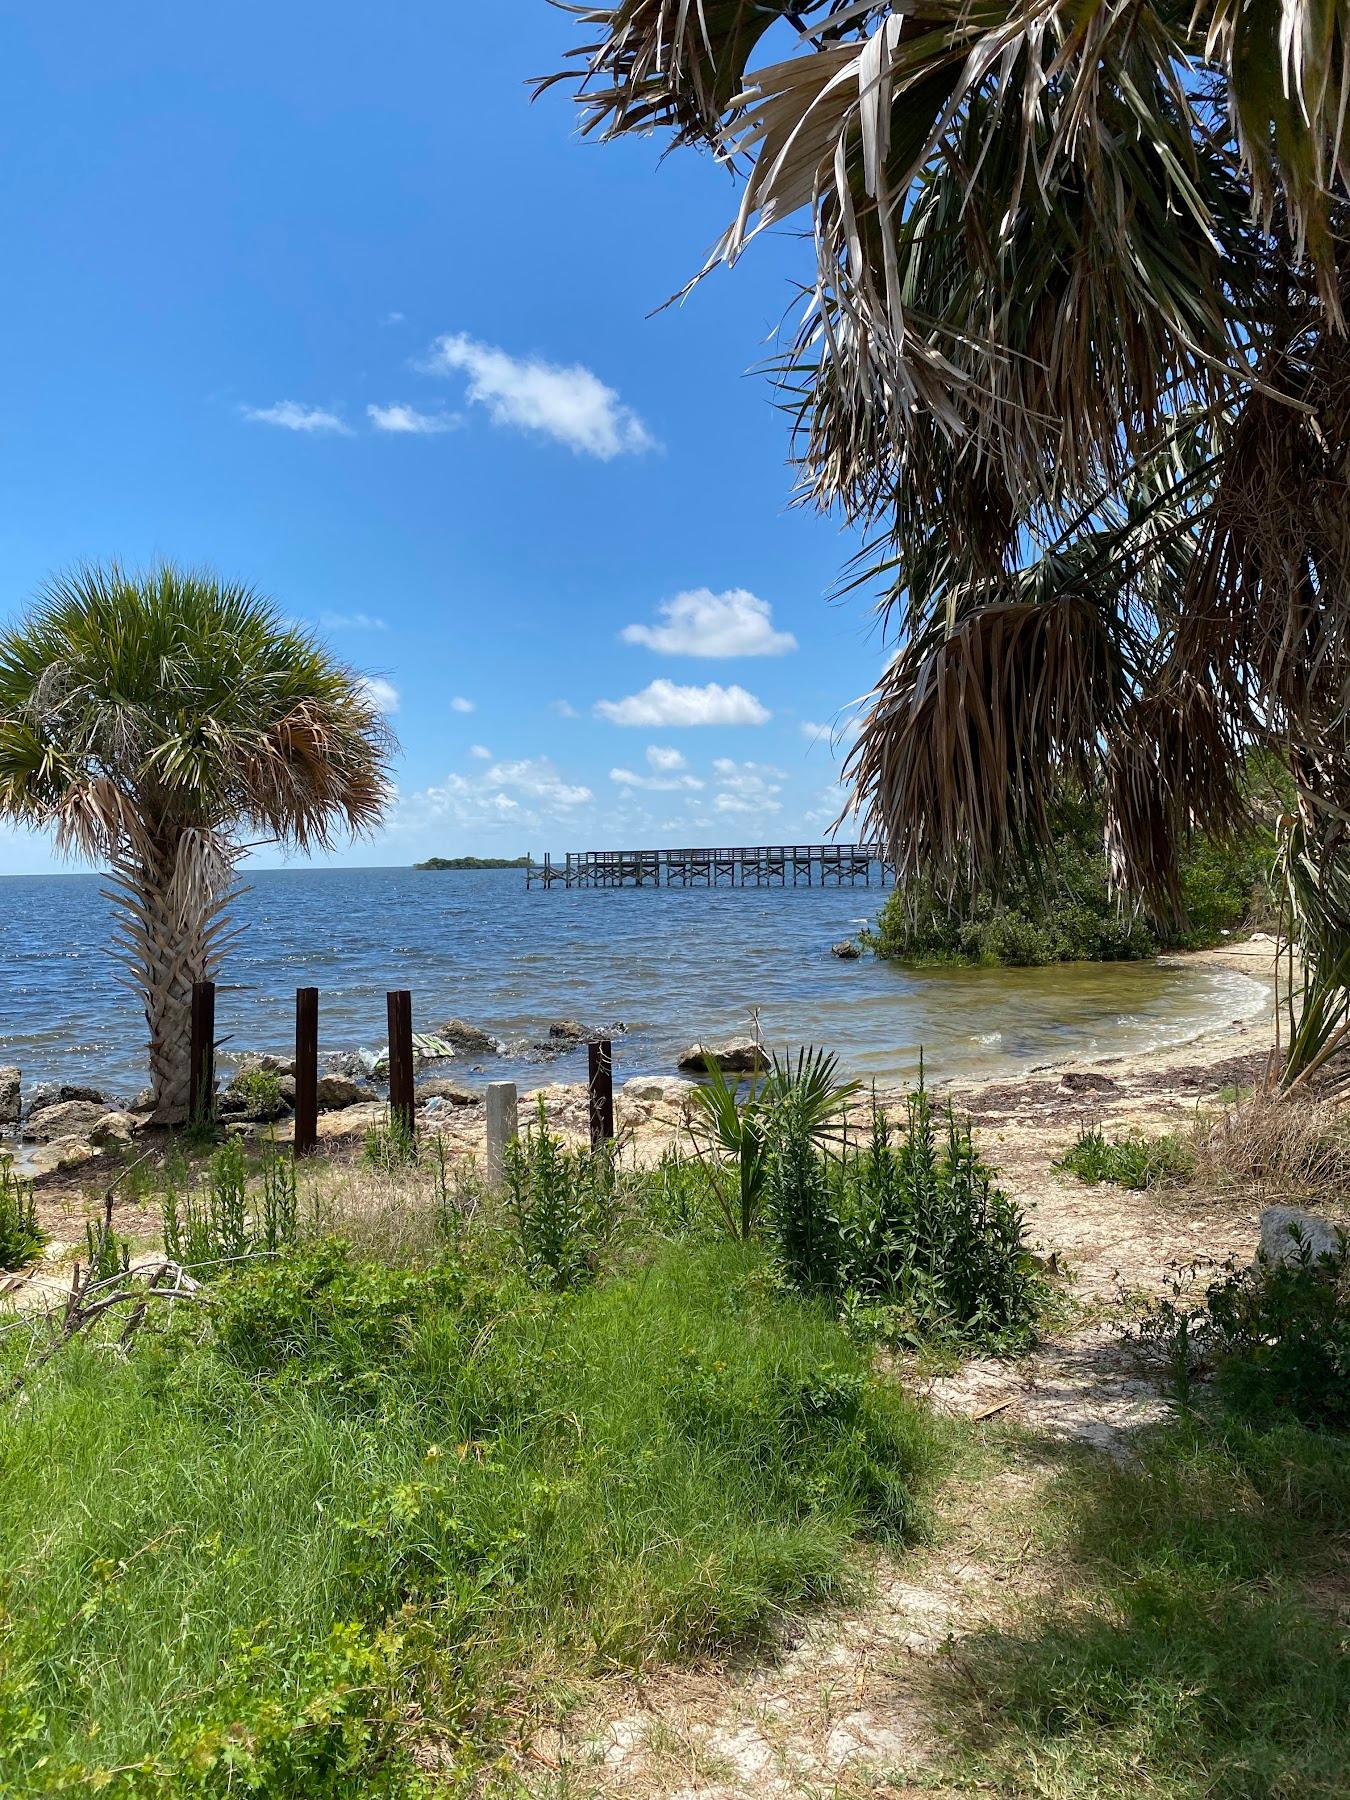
{"x":503,"y":1127}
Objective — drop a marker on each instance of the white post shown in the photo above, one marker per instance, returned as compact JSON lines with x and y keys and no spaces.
{"x":503,"y":1128}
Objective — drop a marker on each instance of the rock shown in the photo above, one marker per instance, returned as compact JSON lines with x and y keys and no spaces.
{"x":65,"y":1092}
{"x":11,"y":1094}
{"x":1284,"y":1230}
{"x":468,"y":1040}
{"x":63,"y":1119}
{"x":112,"y":1129}
{"x":567,"y":1031}
{"x":349,"y":1064}
{"x":46,"y":1093}
{"x":144,"y":1101}
{"x":737,"y":1056}
{"x":846,"y":950}
{"x":337,"y":1091}
{"x":670,"y":1089}
{"x":1084,"y":1081}
{"x":66,"y":1153}
{"x":260,"y":1059}
{"x":448,"y":1091}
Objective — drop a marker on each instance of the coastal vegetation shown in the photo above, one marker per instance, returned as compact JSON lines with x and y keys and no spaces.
{"x":154,"y":723}
{"x":1089,"y":412}
{"x":1065,"y":910}
{"x":474,"y":862}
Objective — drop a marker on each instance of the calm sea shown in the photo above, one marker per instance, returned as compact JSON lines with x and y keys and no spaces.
{"x":671,"y":964}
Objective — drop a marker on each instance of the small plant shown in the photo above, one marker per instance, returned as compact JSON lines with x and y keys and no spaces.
{"x":206,"y":1228}
{"x":20,"y":1237}
{"x":562,"y":1205}
{"x":1129,"y":1162}
{"x":109,"y":1255}
{"x":1274,"y":1339}
{"x":731,"y":1135}
{"x":389,"y":1144}
{"x":259,"y":1092}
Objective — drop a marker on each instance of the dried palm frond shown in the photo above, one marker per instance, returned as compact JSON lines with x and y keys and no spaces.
{"x":949,"y":766}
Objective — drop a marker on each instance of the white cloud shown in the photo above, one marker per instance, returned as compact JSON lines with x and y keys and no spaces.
{"x":665,"y":703}
{"x":701,"y":623}
{"x":842,"y":731}
{"x":665,"y":759}
{"x":351,"y":622}
{"x":291,"y":416}
{"x":481,"y":752}
{"x":567,"y":403}
{"x":528,"y":792}
{"x":564,"y":709}
{"x":408,"y":421}
{"x":460,"y":705}
{"x":747,"y":788}
{"x":666,"y":777}
{"x":381,"y":693}
{"x":393,"y":318}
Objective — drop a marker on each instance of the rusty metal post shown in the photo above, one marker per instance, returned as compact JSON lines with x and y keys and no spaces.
{"x":202,"y":1051}
{"x":306,"y":1071}
{"x":402,"y":1101}
{"x":601,"y":1089}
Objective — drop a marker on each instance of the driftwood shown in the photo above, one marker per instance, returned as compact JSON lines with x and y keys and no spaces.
{"x":93,"y":1296}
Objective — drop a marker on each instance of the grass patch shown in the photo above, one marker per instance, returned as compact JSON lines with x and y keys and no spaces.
{"x":1133,"y":1161}
{"x":21,"y":1238}
{"x":1198,"y":1646}
{"x":234,"y":1558}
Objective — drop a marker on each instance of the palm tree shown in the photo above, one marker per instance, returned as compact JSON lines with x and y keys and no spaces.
{"x":1074,"y":355}
{"x":151,"y":722}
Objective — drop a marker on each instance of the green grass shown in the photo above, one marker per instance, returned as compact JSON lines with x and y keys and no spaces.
{"x":1130,"y":1162}
{"x":1198,"y":1647}
{"x":247,"y":1553}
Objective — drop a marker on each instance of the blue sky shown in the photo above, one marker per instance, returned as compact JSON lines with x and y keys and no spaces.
{"x":314,"y":295}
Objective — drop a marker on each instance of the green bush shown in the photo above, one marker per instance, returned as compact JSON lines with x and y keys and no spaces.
{"x":21,"y":1238}
{"x":908,"y":1226}
{"x":1066,"y":912}
{"x":1129,"y":1162}
{"x":259,"y":1091}
{"x":1274,"y":1338}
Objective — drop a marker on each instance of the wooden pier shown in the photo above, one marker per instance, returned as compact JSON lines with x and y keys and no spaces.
{"x":774,"y":865}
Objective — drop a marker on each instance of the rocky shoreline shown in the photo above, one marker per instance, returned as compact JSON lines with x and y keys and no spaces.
{"x":57,"y":1128}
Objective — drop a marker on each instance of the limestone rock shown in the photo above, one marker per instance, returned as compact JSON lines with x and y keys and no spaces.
{"x":1284,"y":1229}
{"x":449,"y":1091}
{"x":338,"y":1091}
{"x":348,"y":1063}
{"x":737,"y":1056}
{"x":468,"y":1040}
{"x":668,"y":1089}
{"x":67,"y":1092}
{"x":65,"y":1153}
{"x":567,"y":1031}
{"x":144,"y":1101}
{"x":113,"y":1128}
{"x":846,"y":950}
{"x":63,"y":1119}
{"x":11,"y":1094}
{"x":260,"y":1059}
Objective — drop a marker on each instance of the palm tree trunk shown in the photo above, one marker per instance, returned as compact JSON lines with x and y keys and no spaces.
{"x":172,"y":893}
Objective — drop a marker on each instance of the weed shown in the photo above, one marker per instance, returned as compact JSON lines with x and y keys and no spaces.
{"x":258,"y":1091}
{"x":20,"y":1237}
{"x":219,"y":1225}
{"x":1129,"y":1162}
{"x":1273,"y":1338}
{"x":390,"y":1144}
{"x":562,"y":1206}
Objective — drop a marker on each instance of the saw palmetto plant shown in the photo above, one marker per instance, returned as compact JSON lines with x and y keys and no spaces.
{"x":155,"y":722}
{"x":1074,"y":355}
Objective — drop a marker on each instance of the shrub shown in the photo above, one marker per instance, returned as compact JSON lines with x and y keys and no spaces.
{"x":21,"y":1239}
{"x":561,"y":1204}
{"x":1065,"y":911}
{"x":1130,"y":1162}
{"x":1275,"y":1338}
{"x":259,"y":1091}
{"x":910,"y":1226}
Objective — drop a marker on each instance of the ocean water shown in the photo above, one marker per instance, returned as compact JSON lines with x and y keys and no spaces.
{"x":672,"y":965}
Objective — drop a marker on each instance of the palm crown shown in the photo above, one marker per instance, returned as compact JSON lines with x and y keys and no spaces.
{"x":1075,"y":354}
{"x":151,"y":723}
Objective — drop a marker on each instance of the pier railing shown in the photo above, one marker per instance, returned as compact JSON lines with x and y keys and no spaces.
{"x":765,"y":865}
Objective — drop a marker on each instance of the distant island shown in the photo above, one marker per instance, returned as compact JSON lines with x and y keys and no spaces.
{"x":474,"y":862}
